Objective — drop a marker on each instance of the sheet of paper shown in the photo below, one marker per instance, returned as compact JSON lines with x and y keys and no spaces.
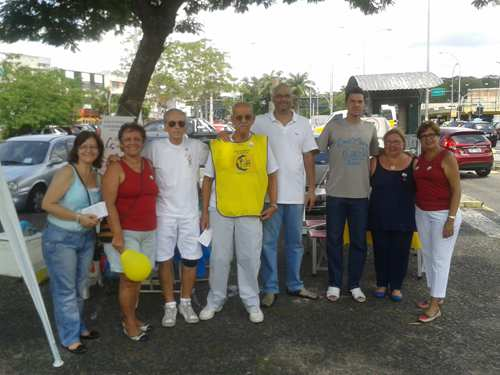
{"x":98,"y":209}
{"x":206,"y":237}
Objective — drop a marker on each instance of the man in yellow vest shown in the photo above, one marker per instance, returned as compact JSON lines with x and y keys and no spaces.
{"x":237,"y":176}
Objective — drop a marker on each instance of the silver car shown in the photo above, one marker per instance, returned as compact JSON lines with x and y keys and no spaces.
{"x":29,"y":162}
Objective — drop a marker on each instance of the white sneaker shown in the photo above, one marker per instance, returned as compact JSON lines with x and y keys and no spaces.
{"x":186,"y":310}
{"x":170,"y":316}
{"x":256,"y":315}
{"x":208,"y":312}
{"x":358,"y":295}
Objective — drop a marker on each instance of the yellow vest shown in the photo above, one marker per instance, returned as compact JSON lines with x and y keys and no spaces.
{"x":241,"y":176}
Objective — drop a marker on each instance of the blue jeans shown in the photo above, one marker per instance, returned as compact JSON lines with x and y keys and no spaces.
{"x":355,"y":211}
{"x":68,"y":256}
{"x":290,"y":215}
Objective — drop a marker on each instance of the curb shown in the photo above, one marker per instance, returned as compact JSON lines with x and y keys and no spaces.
{"x":468,"y":202}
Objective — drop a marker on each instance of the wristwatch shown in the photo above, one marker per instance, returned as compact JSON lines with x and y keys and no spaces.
{"x":273,"y":205}
{"x":451,"y":217}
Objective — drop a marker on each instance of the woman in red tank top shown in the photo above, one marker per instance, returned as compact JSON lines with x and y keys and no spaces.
{"x":130,"y":192}
{"x":437,"y":214}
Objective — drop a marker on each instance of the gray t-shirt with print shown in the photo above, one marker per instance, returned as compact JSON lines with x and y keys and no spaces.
{"x":349,"y":147}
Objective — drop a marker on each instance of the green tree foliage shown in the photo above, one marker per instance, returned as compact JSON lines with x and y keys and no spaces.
{"x":257,"y":91}
{"x":190,"y":71}
{"x":31,"y":99}
{"x":67,"y":22}
{"x":301,"y":84}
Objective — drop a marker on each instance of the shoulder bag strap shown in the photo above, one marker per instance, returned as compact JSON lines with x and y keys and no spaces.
{"x":83,"y":183}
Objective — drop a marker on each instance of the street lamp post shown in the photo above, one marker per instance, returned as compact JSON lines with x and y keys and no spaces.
{"x":459,"y":97}
{"x":427,"y":91}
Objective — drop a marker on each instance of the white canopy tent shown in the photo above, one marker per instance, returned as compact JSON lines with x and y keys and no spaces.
{"x":10,"y":223}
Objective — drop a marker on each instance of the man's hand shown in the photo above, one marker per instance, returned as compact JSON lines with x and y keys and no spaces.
{"x":88,"y":221}
{"x":448,"y":228}
{"x":225,"y":136}
{"x":268,"y":212}
{"x":112,"y":159}
{"x":310,"y":199}
{"x":204,"y":221}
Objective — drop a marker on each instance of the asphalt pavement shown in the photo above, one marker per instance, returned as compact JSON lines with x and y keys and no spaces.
{"x":296,"y":337}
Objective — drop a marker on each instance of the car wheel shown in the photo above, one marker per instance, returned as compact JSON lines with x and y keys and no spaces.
{"x":35,"y":199}
{"x":483,"y":172}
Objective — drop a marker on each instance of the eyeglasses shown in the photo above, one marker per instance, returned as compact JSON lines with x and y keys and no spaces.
{"x":88,"y":148}
{"x":171,"y":124}
{"x":396,"y":143}
{"x":428,"y":136}
{"x":245,"y":117}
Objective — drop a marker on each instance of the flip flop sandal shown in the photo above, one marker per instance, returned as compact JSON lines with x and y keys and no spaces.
{"x":358,"y":295}
{"x":425,"y":304}
{"x":140,"y":337}
{"x":333,"y":294}
{"x":424,"y":318}
{"x":92,"y":335}
{"x":80,"y":349}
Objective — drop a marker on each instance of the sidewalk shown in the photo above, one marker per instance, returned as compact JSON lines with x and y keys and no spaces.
{"x":297,"y":336}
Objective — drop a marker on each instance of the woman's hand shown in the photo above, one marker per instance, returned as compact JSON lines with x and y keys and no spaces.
{"x":448,"y":228}
{"x":118,"y":242}
{"x":88,"y":221}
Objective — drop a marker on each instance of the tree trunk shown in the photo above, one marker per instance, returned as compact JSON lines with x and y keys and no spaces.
{"x":157,"y":23}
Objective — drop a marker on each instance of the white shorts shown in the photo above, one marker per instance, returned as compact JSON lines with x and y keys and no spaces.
{"x":181,"y":231}
{"x":143,"y":242}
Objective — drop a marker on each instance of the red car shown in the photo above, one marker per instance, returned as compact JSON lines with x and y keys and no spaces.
{"x":471,"y":148}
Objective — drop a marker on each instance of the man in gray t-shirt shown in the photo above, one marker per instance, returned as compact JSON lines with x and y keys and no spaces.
{"x":350,"y":142}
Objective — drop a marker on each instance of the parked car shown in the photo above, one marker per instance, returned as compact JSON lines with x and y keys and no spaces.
{"x":196,"y":128}
{"x":29,"y":163}
{"x":54,"y":129}
{"x":496,"y":125}
{"x":486,"y":128}
{"x":471,"y":148}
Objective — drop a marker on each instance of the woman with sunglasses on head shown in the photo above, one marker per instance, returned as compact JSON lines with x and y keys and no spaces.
{"x":177,"y":160}
{"x":391,"y":217}
{"x":130,"y":192}
{"x":68,"y":242}
{"x":437,"y":214}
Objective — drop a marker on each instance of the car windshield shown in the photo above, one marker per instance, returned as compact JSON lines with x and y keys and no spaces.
{"x":469,"y":139}
{"x":23,"y":152}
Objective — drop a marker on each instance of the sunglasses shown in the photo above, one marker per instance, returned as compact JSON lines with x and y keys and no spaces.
{"x":245,"y":117}
{"x":171,"y":124}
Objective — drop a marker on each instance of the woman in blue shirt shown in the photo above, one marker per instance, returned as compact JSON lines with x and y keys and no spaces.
{"x":69,"y":239}
{"x":391,"y":216}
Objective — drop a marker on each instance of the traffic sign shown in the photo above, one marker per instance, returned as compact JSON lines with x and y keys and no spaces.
{"x":438,"y":91}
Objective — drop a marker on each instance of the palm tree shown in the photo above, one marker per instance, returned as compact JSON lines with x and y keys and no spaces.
{"x":300,"y":84}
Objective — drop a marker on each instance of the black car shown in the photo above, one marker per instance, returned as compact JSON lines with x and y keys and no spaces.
{"x":488,"y":130}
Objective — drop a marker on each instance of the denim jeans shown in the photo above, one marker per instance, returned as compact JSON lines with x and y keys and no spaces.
{"x":290,"y":215}
{"x":68,"y":256}
{"x":355,"y":211}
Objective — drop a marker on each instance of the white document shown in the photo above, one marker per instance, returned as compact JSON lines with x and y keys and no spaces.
{"x":98,"y":209}
{"x":206,"y":237}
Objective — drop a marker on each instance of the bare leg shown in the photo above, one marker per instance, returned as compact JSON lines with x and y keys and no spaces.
{"x":166,"y":274}
{"x":188,"y":280}
{"x":127,"y":296}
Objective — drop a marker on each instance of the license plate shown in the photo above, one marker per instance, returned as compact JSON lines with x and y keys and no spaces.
{"x":475,"y":150}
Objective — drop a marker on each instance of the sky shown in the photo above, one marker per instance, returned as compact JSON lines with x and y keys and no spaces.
{"x":326,"y":39}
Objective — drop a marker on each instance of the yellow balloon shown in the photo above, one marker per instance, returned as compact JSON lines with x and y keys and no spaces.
{"x":136,"y":266}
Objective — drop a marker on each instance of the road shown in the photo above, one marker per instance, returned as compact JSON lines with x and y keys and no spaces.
{"x":485,"y":189}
